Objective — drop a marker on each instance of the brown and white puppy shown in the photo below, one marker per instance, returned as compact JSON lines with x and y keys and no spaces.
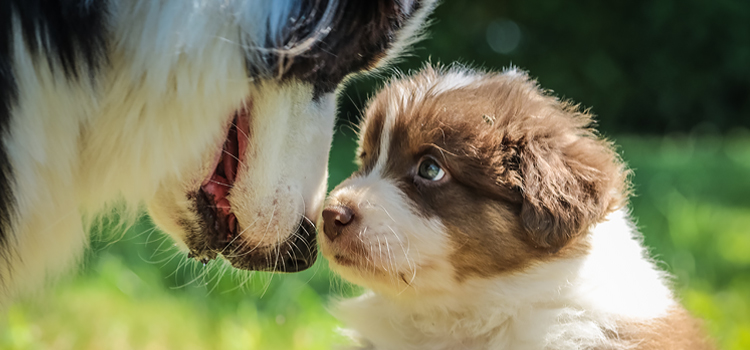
{"x":488,"y":214}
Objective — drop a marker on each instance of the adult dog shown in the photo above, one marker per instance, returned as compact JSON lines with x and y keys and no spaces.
{"x":216,"y":113}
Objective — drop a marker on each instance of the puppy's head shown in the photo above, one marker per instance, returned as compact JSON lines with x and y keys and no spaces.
{"x":252,"y":196}
{"x":467,"y":175}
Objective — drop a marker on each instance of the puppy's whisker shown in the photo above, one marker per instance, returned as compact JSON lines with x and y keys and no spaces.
{"x":394,"y":265}
{"x":408,"y":284}
{"x":370,"y":253}
{"x":409,"y":262}
{"x":380,"y":252}
{"x":391,"y":262}
{"x":386,"y":212}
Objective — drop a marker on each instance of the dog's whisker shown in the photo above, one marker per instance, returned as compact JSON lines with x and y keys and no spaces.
{"x":239,"y":130}
{"x":238,"y":235}
{"x":272,"y":274}
{"x":260,"y":241}
{"x":234,"y":157}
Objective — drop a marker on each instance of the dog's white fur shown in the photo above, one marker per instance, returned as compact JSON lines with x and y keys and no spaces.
{"x":149,"y":125}
{"x":76,"y":146}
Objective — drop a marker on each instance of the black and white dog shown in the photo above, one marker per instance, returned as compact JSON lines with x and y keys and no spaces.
{"x":217,"y":114}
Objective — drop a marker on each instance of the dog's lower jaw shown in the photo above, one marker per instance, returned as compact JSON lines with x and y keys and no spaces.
{"x":296,"y":253}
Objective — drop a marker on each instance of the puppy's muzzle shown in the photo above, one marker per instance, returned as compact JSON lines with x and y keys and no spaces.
{"x":337,"y":220}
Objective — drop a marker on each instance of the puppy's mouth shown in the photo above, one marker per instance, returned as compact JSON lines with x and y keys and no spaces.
{"x":356,"y":259}
{"x":344,"y":260}
{"x":219,"y":231}
{"x":351,"y":254}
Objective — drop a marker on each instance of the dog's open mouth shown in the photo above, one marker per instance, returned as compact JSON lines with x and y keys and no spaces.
{"x":219,"y":227}
{"x":217,"y":187}
{"x":219,"y":232}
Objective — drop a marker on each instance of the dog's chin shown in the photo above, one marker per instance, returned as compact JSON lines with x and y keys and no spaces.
{"x":206,"y":236}
{"x":295,"y":253}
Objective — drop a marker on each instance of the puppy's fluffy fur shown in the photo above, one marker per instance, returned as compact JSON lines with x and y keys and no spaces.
{"x":216,"y":113}
{"x":487,"y":214}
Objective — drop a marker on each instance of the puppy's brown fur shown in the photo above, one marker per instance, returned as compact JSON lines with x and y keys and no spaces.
{"x":523,"y":161}
{"x":525,"y":229}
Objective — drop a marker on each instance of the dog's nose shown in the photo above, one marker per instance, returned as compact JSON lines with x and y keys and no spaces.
{"x":335,"y":219}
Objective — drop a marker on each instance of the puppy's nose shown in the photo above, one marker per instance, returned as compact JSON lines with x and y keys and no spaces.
{"x":335,"y":219}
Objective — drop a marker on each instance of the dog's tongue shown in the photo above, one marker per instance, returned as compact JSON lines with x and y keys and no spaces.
{"x":230,"y":155}
{"x":219,"y":188}
{"x":223,"y":178}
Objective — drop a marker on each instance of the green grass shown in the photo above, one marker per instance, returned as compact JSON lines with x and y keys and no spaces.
{"x":693,"y":206}
{"x":692,"y":203}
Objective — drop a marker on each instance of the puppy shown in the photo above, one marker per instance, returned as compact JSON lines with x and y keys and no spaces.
{"x":487,"y":214}
{"x":215,"y":114}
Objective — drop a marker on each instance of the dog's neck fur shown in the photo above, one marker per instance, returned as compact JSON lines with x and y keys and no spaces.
{"x":573,"y":303}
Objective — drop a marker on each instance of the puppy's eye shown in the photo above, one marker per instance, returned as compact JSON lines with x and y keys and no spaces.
{"x":430,"y":170}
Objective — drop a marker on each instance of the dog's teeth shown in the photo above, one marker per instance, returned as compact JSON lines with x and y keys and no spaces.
{"x":217,"y":187}
{"x":223,"y":206}
{"x":232,"y":224}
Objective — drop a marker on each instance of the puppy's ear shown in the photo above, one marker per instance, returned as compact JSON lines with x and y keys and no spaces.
{"x":569,"y":180}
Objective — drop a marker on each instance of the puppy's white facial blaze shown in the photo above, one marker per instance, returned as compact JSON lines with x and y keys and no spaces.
{"x":385,"y":138}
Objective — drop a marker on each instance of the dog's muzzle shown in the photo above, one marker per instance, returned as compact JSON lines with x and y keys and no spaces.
{"x":218,"y":231}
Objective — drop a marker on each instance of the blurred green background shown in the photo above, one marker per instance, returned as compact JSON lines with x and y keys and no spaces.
{"x":670,"y":82}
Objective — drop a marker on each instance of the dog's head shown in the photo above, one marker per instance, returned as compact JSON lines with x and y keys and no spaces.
{"x":467,"y":175}
{"x":253,"y":196}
